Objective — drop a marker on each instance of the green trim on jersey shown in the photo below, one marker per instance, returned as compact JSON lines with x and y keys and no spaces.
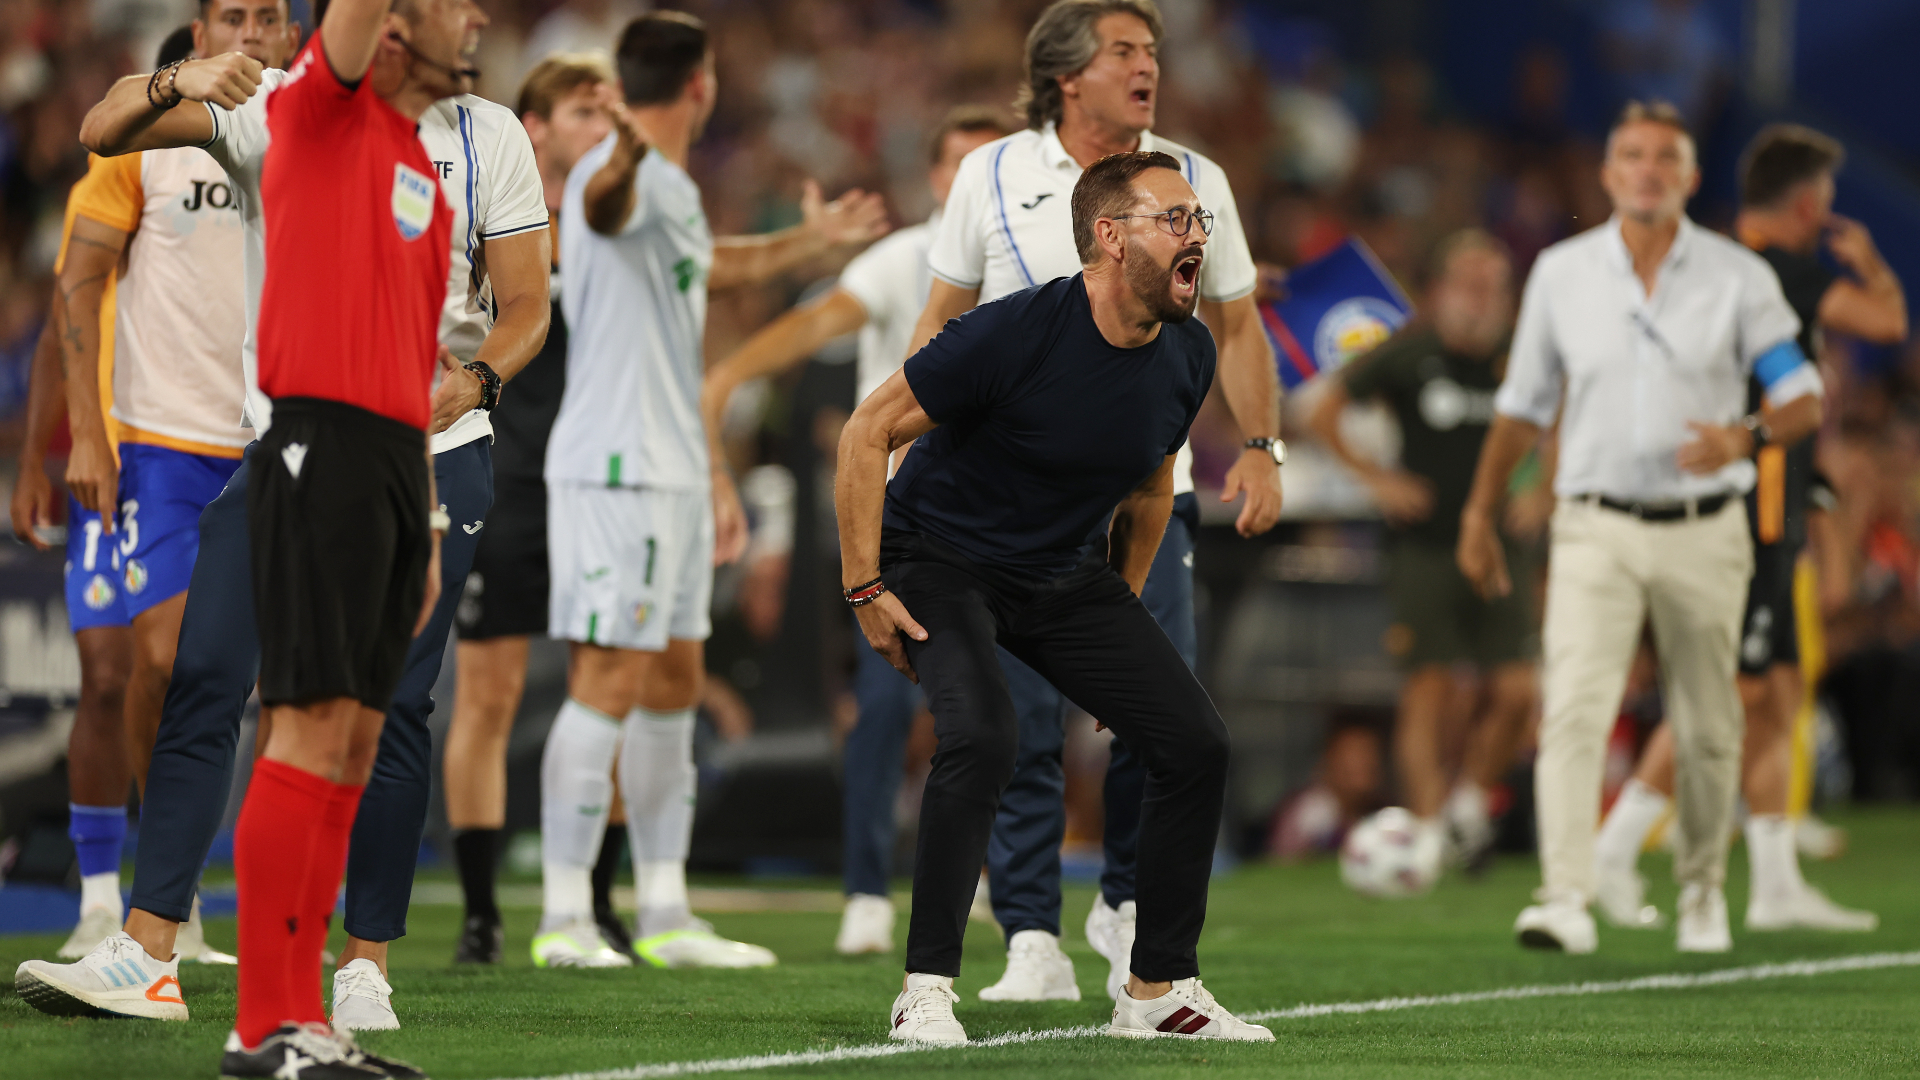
{"x":613,"y":470}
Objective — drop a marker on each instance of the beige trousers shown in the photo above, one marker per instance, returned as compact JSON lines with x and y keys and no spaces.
{"x":1610,"y":573}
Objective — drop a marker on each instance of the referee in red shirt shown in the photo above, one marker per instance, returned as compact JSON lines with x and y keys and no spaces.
{"x":342,"y":510}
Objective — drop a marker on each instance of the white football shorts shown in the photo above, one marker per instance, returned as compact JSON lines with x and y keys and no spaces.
{"x":632,"y":567}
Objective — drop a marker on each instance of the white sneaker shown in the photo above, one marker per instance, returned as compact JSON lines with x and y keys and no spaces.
{"x":1187,"y":1011}
{"x":96,"y":925}
{"x":1110,"y":932}
{"x":700,"y":947}
{"x":1622,"y":898}
{"x":362,"y":998}
{"x":576,"y":944}
{"x":1557,"y":924}
{"x":1805,"y":908}
{"x":1037,"y":970}
{"x":1703,"y":920}
{"x":191,"y":942}
{"x":117,"y":978}
{"x":866,"y":926}
{"x":924,"y":1012}
{"x":1816,"y":839}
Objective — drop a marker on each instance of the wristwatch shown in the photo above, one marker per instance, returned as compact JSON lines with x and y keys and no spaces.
{"x":1757,"y":428}
{"x":1272,"y":446}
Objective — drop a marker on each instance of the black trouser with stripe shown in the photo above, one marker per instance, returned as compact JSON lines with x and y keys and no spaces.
{"x":1088,"y":635}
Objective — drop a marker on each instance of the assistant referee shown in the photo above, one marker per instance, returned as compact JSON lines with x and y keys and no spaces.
{"x":1038,"y":417}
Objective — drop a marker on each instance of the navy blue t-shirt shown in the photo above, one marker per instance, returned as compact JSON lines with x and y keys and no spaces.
{"x":1044,"y":427}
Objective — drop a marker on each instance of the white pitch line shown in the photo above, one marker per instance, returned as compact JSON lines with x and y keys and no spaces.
{"x":1675,"y":981}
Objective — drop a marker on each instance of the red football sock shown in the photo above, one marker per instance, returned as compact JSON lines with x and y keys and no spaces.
{"x":329,"y":865}
{"x":273,"y":847}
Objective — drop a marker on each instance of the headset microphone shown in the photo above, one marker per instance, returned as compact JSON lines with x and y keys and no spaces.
{"x":466,"y":71}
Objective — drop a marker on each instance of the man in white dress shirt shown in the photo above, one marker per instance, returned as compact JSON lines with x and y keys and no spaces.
{"x":1649,"y":326}
{"x":1093,"y":76}
{"x":879,"y":294}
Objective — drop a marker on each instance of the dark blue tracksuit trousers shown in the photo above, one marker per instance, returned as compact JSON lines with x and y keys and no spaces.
{"x":1024,"y":852}
{"x":213,"y":675}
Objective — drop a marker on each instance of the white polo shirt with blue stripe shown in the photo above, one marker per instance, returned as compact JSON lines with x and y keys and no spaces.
{"x":486,"y":168}
{"x":1008,"y":225}
{"x":485,"y":164}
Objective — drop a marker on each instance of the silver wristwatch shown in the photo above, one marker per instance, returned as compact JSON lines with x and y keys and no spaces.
{"x":1272,"y":446}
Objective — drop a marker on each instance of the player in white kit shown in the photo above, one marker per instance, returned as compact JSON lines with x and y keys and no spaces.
{"x":637,"y":512}
{"x":880,"y":294}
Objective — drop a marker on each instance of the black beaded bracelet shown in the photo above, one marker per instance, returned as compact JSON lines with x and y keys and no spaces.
{"x":171,"y":73}
{"x":489,"y":384}
{"x":868,"y":597}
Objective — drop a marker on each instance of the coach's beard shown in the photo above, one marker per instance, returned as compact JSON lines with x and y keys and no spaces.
{"x":1153,"y":283}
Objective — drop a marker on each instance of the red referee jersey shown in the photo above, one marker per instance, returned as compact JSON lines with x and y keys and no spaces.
{"x":357,"y":248}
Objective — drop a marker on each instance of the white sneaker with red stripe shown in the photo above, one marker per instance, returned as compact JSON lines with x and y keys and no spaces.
{"x":924,"y":1012}
{"x":117,"y":978}
{"x":1187,"y":1011}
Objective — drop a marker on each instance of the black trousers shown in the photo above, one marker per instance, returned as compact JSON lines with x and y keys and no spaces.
{"x":1088,"y":635}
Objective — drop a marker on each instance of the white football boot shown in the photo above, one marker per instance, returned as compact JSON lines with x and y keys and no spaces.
{"x":576,"y":944}
{"x":1110,"y":932}
{"x":96,"y":925}
{"x":1804,"y":908}
{"x":1622,"y":898}
{"x":1557,"y":924}
{"x":1703,"y":920}
{"x":699,"y":947}
{"x":1187,"y":1011}
{"x":191,"y":942}
{"x":117,"y":978}
{"x":362,"y":998}
{"x":1037,"y":970}
{"x":866,"y":926}
{"x":1816,"y":839}
{"x":924,"y":1012}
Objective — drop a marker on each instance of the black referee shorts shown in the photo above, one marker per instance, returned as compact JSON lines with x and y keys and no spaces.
{"x":506,"y":591}
{"x":1769,"y":634}
{"x":337,"y":507}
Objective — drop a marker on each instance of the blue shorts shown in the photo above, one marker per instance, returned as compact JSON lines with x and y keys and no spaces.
{"x":111,"y":579}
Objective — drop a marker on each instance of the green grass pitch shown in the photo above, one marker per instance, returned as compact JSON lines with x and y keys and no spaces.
{"x":1276,"y":937}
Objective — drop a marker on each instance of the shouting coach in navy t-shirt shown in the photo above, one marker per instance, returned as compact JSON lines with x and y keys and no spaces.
{"x":1027,"y":514}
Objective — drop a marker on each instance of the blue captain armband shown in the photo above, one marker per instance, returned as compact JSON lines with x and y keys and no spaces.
{"x":1786,"y":374}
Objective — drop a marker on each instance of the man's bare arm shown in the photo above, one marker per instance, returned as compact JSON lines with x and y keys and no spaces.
{"x":350,"y":34}
{"x":127,"y":119}
{"x":518,"y":268}
{"x":608,"y":197}
{"x":1139,"y":524}
{"x":945,"y":301}
{"x":93,"y":256}
{"x":853,"y":219}
{"x":1250,"y":382}
{"x":32,"y":505}
{"x":890,"y":418}
{"x":774,"y":348}
{"x":1479,"y":554}
{"x":1870,"y":305}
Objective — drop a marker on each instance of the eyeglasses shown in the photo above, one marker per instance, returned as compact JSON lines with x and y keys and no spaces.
{"x":1180,"y":220}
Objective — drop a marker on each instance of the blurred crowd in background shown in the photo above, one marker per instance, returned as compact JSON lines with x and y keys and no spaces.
{"x":1331,"y":119}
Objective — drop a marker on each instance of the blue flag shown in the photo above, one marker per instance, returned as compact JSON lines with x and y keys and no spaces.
{"x":1336,"y":307}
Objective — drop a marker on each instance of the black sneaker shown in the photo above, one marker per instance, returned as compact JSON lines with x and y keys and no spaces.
{"x":392,"y":1068}
{"x":615,"y":931}
{"x":480,"y":941}
{"x":297,"y":1052}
